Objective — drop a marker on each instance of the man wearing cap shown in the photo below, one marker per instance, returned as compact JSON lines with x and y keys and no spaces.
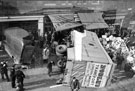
{"x":75,"y":85}
{"x":49,"y":66}
{"x":19,"y":76}
{"x":1,"y":71}
{"x":12,"y":76}
{"x":4,"y":71}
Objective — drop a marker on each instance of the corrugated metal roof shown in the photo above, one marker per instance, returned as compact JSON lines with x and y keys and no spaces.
{"x":92,"y":20}
{"x":63,"y":21}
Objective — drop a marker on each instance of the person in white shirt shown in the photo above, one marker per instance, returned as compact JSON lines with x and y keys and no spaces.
{"x":45,"y":54}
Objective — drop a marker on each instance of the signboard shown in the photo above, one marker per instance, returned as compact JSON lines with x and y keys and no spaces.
{"x":96,"y":75}
{"x":63,"y":21}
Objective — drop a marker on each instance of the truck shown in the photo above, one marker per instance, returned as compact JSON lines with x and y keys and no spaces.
{"x":16,"y":46}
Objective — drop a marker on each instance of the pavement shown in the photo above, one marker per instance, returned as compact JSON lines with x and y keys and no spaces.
{"x":33,"y":82}
{"x":37,"y":79}
{"x":40,"y":82}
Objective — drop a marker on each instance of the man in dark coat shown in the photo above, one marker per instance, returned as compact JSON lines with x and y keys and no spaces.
{"x":12,"y":76}
{"x":19,"y":76}
{"x":75,"y":85}
{"x":49,"y":66}
{"x":1,"y":71}
{"x":119,"y":60}
{"x":4,"y":71}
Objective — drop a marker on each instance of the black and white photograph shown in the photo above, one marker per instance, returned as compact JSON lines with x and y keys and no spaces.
{"x":67,"y":45}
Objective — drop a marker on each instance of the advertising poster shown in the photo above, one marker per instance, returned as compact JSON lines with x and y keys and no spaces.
{"x":96,"y":75}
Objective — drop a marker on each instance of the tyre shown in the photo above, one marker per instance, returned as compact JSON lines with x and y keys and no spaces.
{"x":61,"y":49}
{"x":59,"y":63}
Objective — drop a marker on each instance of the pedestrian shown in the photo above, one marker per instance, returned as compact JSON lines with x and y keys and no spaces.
{"x":19,"y":77}
{"x":4,"y":71}
{"x":119,"y":60}
{"x":49,"y":66}
{"x":12,"y":76}
{"x":45,"y":54}
{"x":75,"y":85}
{"x":1,"y":71}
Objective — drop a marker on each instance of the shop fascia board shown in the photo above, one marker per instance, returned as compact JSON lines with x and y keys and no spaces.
{"x":19,"y":18}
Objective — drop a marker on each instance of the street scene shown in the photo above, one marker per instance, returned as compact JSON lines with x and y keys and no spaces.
{"x":67,"y":45}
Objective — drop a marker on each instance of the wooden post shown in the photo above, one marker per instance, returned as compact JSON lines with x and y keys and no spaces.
{"x":41,"y":26}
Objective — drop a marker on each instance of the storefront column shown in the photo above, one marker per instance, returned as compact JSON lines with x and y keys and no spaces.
{"x":40,"y":27}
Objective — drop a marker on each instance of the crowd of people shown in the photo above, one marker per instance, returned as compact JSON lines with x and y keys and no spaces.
{"x":120,"y":53}
{"x":16,"y":76}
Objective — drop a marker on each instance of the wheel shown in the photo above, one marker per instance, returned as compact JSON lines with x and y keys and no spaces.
{"x":59,"y":54}
{"x":61,"y":49}
{"x":59,"y":63}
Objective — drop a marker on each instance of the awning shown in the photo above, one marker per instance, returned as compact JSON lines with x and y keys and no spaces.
{"x":63,"y":21}
{"x":92,"y":20}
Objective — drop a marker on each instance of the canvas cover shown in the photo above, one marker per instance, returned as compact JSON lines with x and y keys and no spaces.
{"x":14,"y":42}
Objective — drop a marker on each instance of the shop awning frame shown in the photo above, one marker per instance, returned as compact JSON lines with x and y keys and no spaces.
{"x":92,"y":20}
{"x":63,"y":21}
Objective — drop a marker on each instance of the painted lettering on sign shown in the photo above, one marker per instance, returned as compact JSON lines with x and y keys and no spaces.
{"x":100,"y":75}
{"x":94,"y":74}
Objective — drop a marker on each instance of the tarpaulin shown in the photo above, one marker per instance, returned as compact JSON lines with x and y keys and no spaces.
{"x":92,"y":20}
{"x":14,"y":42}
{"x":63,"y":21}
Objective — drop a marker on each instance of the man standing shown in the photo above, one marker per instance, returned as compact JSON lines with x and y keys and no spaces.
{"x":1,"y":71}
{"x":49,"y":66}
{"x":75,"y":85}
{"x":4,"y":71}
{"x":45,"y":54}
{"x":12,"y":76}
{"x":19,"y":76}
